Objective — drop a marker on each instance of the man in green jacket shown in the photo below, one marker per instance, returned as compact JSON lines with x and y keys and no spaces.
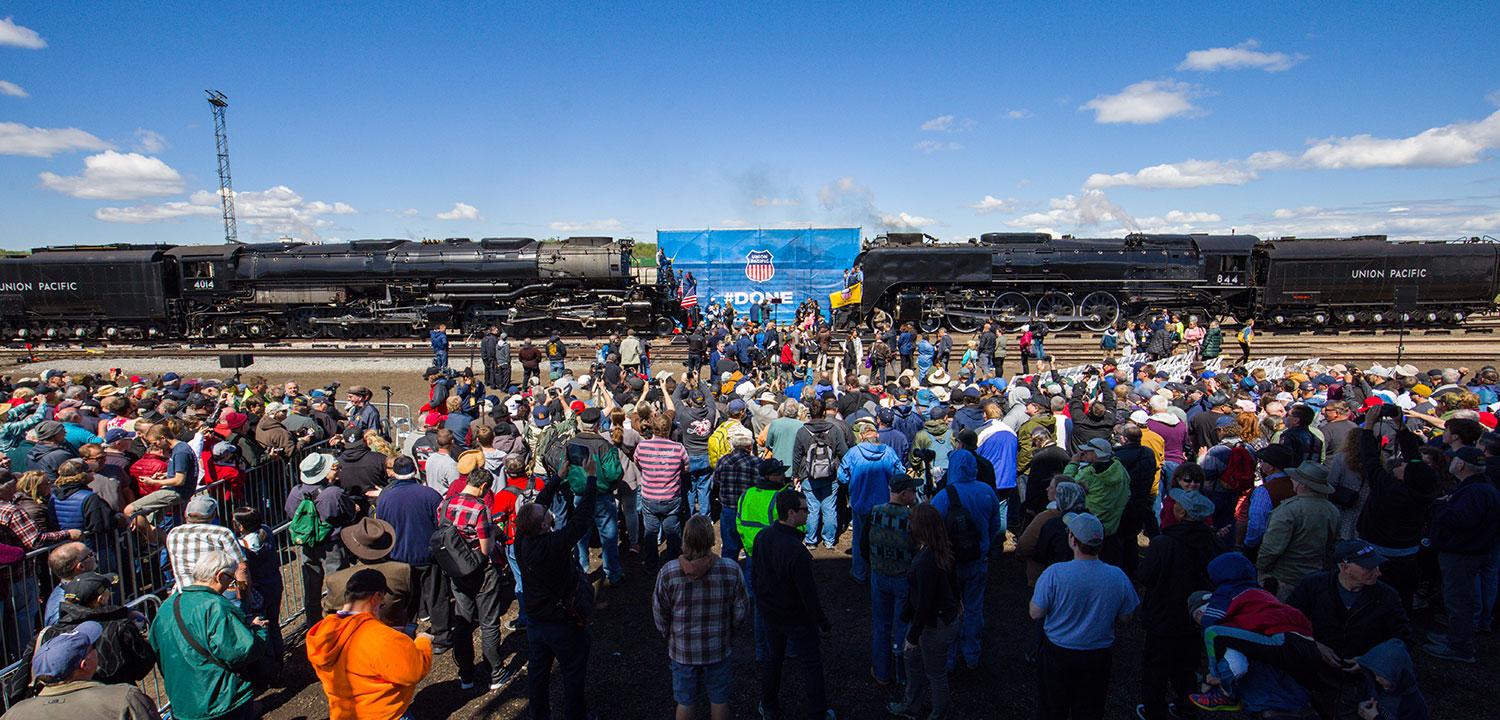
{"x":1094,"y":466}
{"x":757,"y":512}
{"x":1299,"y":541}
{"x":208,"y":681}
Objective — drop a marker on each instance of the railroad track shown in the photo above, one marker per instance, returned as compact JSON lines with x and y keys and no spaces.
{"x":1477,"y":342}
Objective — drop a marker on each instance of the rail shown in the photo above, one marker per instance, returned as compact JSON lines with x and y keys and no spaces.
{"x":145,"y":572}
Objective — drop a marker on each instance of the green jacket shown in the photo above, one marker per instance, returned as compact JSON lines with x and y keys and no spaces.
{"x":1299,"y":540}
{"x":197,"y":687}
{"x":1108,"y":491}
{"x":757,"y":512}
{"x":1044,"y":419}
{"x":1213,"y":341}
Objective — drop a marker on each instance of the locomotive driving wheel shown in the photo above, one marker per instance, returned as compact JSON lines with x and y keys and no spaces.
{"x":961,"y":322}
{"x":1055,"y":305}
{"x":1100,"y":310}
{"x":1012,"y":308}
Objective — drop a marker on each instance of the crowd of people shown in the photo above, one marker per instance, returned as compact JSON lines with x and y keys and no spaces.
{"x":1272,"y":532}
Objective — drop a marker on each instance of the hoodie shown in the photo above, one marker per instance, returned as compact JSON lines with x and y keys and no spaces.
{"x":369,"y":670}
{"x":908,"y":421}
{"x":976,"y":497}
{"x":1238,"y":602}
{"x":867,"y":469}
{"x":1108,"y":489}
{"x":1173,"y":431}
{"x":1404,"y":700}
{"x":968,"y":417}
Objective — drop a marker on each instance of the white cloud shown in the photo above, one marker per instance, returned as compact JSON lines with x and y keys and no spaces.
{"x":1446,"y":146}
{"x":117,"y":176}
{"x":150,"y":141}
{"x":1091,"y":208}
{"x":9,"y":88}
{"x":939,"y":123}
{"x":1146,"y":102}
{"x":1398,"y":210}
{"x":460,"y":211}
{"x":601,"y":226}
{"x":409,"y":212}
{"x":1243,"y":55}
{"x":1415,"y":220}
{"x":905,"y":221}
{"x":1017,"y":114}
{"x":764,"y":201}
{"x":1177,"y":221}
{"x":1186,"y":174}
{"x":19,"y":35}
{"x":733,"y":224}
{"x":931,"y":146}
{"x":274,"y":212}
{"x":18,"y":139}
{"x":992,"y":204}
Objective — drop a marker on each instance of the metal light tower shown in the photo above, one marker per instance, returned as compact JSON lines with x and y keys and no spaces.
{"x":219,"y":101}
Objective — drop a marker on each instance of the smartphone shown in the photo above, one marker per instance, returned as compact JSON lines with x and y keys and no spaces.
{"x":577,"y":454}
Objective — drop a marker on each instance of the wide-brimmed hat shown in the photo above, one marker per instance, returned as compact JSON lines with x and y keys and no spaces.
{"x":369,"y":539}
{"x":1313,"y":475}
{"x":105,"y":391}
{"x":938,"y":377}
{"x":470,"y":460}
{"x":314,"y":468}
{"x":941,"y":393}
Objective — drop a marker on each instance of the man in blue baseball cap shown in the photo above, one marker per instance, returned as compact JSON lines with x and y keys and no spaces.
{"x":64,"y":666}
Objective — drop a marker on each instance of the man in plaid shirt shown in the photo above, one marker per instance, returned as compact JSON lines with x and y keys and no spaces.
{"x":699,"y":601}
{"x":477,"y":597}
{"x":735,"y":473}
{"x":17,"y":528}
{"x":189,"y":542}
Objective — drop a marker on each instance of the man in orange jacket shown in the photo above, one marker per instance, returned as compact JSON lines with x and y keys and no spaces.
{"x":369,"y":670}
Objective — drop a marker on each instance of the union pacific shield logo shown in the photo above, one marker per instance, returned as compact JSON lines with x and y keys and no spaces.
{"x":758,"y":265}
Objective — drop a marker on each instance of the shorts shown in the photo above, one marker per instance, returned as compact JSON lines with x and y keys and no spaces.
{"x":157,"y":500}
{"x":689,"y":682}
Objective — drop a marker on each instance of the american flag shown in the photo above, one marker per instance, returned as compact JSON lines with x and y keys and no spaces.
{"x":689,"y":295}
{"x":758,"y":265}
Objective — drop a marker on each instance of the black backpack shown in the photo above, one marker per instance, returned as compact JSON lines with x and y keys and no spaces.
{"x":963,"y":532}
{"x":453,"y":553}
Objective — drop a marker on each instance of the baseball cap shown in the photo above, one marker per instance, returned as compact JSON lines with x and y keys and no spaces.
{"x":1100,"y":448}
{"x":1197,"y":505}
{"x":577,"y":407}
{"x":736,"y":406}
{"x":1470,"y":455}
{"x":971,"y":392}
{"x":1085,"y":527}
{"x":203,"y":506}
{"x":85,"y":588}
{"x":432,"y":419}
{"x":58,"y":656}
{"x":589,"y":416}
{"x":540,"y":416}
{"x":170,"y":377}
{"x":886,"y":416}
{"x":1358,"y":552}
{"x":903,"y":482}
{"x":117,"y":434}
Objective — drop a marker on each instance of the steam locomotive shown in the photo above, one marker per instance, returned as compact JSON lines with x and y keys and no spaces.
{"x":1016,"y":278}
{"x":365,"y":288}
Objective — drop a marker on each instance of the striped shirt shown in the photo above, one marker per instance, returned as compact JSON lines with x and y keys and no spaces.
{"x":663,"y":463}
{"x":186,"y":544}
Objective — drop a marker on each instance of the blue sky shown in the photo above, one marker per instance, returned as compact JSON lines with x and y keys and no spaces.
{"x":381,"y":120}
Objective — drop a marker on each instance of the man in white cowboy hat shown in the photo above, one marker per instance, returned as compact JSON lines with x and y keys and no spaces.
{"x":1302,"y":531}
{"x":320,"y":558}
{"x":938,"y":377}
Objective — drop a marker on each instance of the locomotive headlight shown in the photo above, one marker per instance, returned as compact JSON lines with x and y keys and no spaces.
{"x":255,"y":328}
{"x":22,"y":332}
{"x":153,"y":331}
{"x":80,"y":332}
{"x":1280,"y":319}
{"x":51,"y":332}
{"x":222,"y":330}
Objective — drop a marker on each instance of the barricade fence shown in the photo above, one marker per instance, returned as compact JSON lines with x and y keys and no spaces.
{"x":140,"y":559}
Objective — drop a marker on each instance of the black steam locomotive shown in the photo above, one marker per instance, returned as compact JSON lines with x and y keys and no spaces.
{"x":1017,"y":278}
{"x":365,"y":288}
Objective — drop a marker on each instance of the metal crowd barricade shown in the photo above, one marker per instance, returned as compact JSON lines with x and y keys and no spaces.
{"x":140,"y":559}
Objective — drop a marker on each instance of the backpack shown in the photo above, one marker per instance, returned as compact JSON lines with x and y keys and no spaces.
{"x":963,"y":532}
{"x":523,"y":495}
{"x":307,"y":527}
{"x":608,"y":469}
{"x":453,"y":553}
{"x":718,"y":443}
{"x":553,"y":444}
{"x":1239,"y":470}
{"x":819,"y":456}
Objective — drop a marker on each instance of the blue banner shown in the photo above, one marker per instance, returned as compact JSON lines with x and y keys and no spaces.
{"x":740,"y":267}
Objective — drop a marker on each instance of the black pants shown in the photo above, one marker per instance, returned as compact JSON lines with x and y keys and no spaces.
{"x":1168,"y":663}
{"x":435,"y":601}
{"x":1244,"y":353}
{"x":804,"y":640}
{"x":318,"y":562}
{"x":477,"y":603}
{"x":569,"y":645}
{"x":1072,"y":684}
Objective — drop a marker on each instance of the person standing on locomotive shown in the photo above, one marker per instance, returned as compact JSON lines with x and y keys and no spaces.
{"x":439,"y":339}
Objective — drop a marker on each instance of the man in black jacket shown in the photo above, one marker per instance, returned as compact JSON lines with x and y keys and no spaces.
{"x":124,"y":654}
{"x":1175,"y":566}
{"x":1350,"y":608}
{"x":788,"y":601}
{"x":1140,"y":463}
{"x":557,"y":598}
{"x":489,"y":355}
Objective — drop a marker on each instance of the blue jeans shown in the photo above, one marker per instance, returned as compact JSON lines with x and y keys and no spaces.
{"x":822,"y":513}
{"x":762,"y":643}
{"x":1462,"y":575}
{"x":888,"y":632}
{"x":859,"y":565}
{"x":1489,"y":585}
{"x":557,"y":368}
{"x":661,"y":518}
{"x":729,"y":535}
{"x":1168,"y":467}
{"x":972,"y":577}
{"x":691,"y":682}
{"x":440,"y":358}
{"x":515,"y":571}
{"x":700,"y":477}
{"x":606,"y":519}
{"x":1004,"y":517}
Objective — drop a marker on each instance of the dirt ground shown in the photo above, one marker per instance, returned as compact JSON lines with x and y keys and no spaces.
{"x":629,"y":677}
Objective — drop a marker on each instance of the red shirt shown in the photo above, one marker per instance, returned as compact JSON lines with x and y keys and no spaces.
{"x":503,"y":504}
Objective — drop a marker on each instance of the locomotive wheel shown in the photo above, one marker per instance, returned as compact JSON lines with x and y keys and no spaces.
{"x":301,"y":324}
{"x":962,"y":323}
{"x":1012,"y":308}
{"x":1054,"y":305}
{"x":664,"y":326}
{"x":1100,"y":310}
{"x":929,"y":324}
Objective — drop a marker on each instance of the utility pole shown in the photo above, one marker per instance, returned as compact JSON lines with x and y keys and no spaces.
{"x":219,"y":102}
